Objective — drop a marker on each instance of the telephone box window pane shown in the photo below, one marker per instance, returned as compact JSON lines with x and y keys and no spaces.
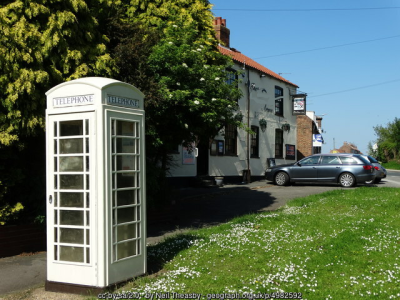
{"x":126,"y":197}
{"x":55,"y":200}
{"x":55,"y":147}
{"x":55,"y":182}
{"x":68,"y":128}
{"x":87,"y":200}
{"x":68,"y":146}
{"x":71,"y":164}
{"x":71,"y":199}
{"x":71,"y":217}
{"x":71,"y":236}
{"x":125,"y":145}
{"x":86,"y":127}
{"x":71,"y":182}
{"x":55,"y":217}
{"x":125,"y":180}
{"x":56,"y":234}
{"x":126,"y":232}
{"x":87,"y":145}
{"x":87,"y":237}
{"x":55,"y":253}
{"x":55,"y":129}
{"x":87,"y":219}
{"x":125,"y":128}
{"x":88,"y":255}
{"x":87,"y":182}
{"x":125,"y":215}
{"x":55,"y":164}
{"x":87,"y":164}
{"x":126,"y":249}
{"x":126,"y":162}
{"x":74,"y":254}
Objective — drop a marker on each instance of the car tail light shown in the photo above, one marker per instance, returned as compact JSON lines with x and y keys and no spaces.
{"x":367,"y":167}
{"x":376,"y":168}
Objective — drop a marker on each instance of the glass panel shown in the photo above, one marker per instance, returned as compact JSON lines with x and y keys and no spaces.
{"x":115,"y":253}
{"x":55,"y":182}
{"x":87,"y":145}
{"x":86,"y":127}
{"x":72,"y":236}
{"x":55,"y":147}
{"x":55,"y":129}
{"x":138,"y":229}
{"x":125,"y":180}
{"x":138,"y":196}
{"x":55,"y":253}
{"x":55,"y":217}
{"x":112,"y":127}
{"x":125,"y":128}
{"x":71,"y":163}
{"x":137,"y":151}
{"x":71,"y":182}
{"x":68,"y":128}
{"x":126,"y":249}
{"x":138,"y":214}
{"x":113,"y":145}
{"x":55,"y":164}
{"x":87,"y":164}
{"x":125,"y":145}
{"x":87,"y":182}
{"x":68,"y":146}
{"x":71,"y":217}
{"x":126,"y":232}
{"x":87,"y":237}
{"x":71,"y":199}
{"x":87,"y":200}
{"x":55,"y":199}
{"x":113,"y":163}
{"x":87,"y":219}
{"x":126,"y":162}
{"x":125,"y":215}
{"x":55,"y":235}
{"x":88,"y":255}
{"x":113,"y":180}
{"x":126,"y":197}
{"x":114,"y":218}
{"x":71,"y":253}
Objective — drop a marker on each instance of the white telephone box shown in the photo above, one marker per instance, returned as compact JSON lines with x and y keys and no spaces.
{"x":96,"y":200}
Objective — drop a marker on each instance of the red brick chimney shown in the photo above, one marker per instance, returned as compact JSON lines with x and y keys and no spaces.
{"x":221,"y":32}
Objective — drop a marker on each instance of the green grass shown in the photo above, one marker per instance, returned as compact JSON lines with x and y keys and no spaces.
{"x":393,"y":165}
{"x":343,"y":244}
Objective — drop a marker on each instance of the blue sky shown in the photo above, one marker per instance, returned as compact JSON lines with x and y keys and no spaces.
{"x":370,"y":70}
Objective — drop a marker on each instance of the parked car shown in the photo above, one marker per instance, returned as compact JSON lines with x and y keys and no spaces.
{"x":380,"y":171}
{"x":345,"y":169}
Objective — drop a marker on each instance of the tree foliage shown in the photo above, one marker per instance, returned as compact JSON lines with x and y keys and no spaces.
{"x":388,"y":140}
{"x":44,"y":43}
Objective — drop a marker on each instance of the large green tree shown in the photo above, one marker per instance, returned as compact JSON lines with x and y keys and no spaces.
{"x":388,"y":140}
{"x":42,"y":43}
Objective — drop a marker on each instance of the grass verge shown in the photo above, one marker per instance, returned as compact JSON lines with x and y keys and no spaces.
{"x":342,"y":244}
{"x":393,"y":165}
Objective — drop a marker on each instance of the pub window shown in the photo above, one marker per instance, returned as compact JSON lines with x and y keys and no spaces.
{"x":278,"y":101}
{"x":230,"y":139}
{"x":278,"y":143}
{"x":254,"y":141}
{"x":231,"y":76}
{"x":217,"y":148}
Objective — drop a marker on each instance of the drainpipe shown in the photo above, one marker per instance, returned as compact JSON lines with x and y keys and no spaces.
{"x":248,"y":179}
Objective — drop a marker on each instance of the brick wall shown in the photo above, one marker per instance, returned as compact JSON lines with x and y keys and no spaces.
{"x":304,"y":136}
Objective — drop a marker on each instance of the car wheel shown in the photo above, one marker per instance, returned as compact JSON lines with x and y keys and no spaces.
{"x":281,"y":178}
{"x":347,"y":180}
{"x":377,"y":180}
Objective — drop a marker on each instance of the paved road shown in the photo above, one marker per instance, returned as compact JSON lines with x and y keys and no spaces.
{"x":199,"y":210}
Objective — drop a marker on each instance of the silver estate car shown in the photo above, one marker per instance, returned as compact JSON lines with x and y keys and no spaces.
{"x":345,"y":169}
{"x":380,"y":171}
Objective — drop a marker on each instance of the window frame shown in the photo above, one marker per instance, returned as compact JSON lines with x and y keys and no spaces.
{"x":255,"y":142}
{"x":230,"y":140}
{"x":279,"y":101}
{"x":278,"y":143}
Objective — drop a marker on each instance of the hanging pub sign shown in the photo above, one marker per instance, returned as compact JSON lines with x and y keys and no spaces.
{"x":299,"y":104}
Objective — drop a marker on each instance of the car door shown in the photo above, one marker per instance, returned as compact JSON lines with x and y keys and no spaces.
{"x":306,"y":169}
{"x":329,"y":168}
